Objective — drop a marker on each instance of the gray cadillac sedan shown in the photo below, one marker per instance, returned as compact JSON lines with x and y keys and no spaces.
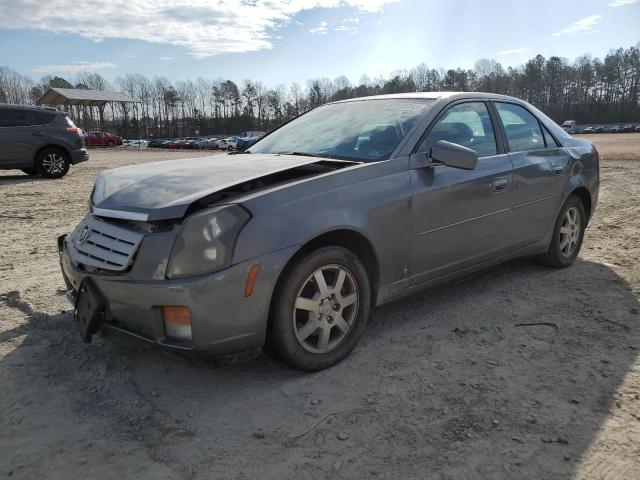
{"x":291,"y":244}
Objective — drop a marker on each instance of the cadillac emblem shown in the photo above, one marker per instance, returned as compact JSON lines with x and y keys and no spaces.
{"x":84,"y":235}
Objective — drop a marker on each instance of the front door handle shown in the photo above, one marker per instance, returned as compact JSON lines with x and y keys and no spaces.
{"x":557,"y":169}
{"x":500,"y":184}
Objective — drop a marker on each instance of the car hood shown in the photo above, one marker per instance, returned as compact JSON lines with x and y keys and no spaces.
{"x":165,"y":190}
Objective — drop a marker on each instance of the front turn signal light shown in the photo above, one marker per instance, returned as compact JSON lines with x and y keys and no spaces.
{"x":177,"y":322}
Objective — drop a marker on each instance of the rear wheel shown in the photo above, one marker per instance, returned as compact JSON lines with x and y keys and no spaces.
{"x":52,"y":163}
{"x":567,"y":235}
{"x":320,"y":310}
{"x":110,"y":143}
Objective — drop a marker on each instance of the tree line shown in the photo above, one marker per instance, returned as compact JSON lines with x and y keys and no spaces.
{"x":588,"y":90}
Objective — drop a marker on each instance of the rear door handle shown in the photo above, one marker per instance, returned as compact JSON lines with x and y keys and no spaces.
{"x":557,"y":169}
{"x":500,"y":184}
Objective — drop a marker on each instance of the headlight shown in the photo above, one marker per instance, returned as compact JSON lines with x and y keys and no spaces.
{"x":206,"y":240}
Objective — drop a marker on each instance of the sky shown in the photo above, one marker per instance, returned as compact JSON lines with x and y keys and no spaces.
{"x":282,"y":41}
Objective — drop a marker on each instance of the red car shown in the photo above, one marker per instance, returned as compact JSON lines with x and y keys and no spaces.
{"x":102,"y":139}
{"x":179,"y":144}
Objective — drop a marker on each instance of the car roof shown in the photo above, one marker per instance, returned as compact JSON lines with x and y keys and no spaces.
{"x":432,"y":96}
{"x":32,"y":107}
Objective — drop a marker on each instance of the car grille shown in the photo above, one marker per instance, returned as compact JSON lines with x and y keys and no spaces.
{"x":104,"y":245}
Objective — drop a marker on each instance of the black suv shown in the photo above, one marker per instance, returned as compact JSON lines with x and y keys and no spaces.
{"x":39,"y":140}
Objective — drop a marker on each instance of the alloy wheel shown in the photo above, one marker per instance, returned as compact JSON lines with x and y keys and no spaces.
{"x":53,"y":164}
{"x":325,"y":309}
{"x":570,"y":232}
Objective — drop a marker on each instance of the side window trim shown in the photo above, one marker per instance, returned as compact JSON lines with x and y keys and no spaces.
{"x":498,"y":137}
{"x":498,"y":129}
{"x":506,"y":139}
{"x":545,"y":133}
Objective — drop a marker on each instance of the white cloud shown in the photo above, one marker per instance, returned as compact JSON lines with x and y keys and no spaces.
{"x":203,"y":27}
{"x":621,"y":3}
{"x":75,"y":67}
{"x":320,"y":29}
{"x":581,"y":27}
{"x":348,"y":25}
{"x":514,"y":51}
{"x":166,"y":59}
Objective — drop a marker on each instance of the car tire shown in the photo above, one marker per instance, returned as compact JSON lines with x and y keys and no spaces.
{"x":230,"y":148}
{"x":110,"y":144}
{"x":568,"y":234}
{"x":314,"y":326}
{"x":52,"y":163}
{"x":30,"y":171}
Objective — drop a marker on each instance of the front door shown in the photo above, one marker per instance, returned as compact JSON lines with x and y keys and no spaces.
{"x":461,"y":217}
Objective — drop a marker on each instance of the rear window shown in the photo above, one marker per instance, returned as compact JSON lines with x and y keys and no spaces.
{"x":42,"y":118}
{"x":14,"y":117}
{"x":69,"y":122}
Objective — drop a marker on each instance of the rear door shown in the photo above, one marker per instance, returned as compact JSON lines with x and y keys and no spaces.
{"x":540,"y":168}
{"x":16,"y":138}
{"x":461,"y":217}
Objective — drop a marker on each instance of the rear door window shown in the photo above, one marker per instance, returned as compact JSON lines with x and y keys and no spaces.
{"x":521,"y":127}
{"x":14,"y":117}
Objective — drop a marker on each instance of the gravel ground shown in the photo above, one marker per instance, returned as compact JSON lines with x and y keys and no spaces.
{"x":450,"y":383}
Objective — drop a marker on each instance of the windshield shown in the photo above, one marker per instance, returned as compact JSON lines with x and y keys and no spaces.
{"x":367,"y":130}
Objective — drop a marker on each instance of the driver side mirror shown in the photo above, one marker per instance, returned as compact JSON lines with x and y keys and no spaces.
{"x":454,"y":155}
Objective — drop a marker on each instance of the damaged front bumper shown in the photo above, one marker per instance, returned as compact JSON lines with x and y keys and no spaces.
{"x":223,"y":320}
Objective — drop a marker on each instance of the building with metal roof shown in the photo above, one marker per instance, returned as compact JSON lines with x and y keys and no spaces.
{"x":77,"y":96}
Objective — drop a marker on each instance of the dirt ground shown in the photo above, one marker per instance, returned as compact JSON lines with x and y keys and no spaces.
{"x":446,"y":384}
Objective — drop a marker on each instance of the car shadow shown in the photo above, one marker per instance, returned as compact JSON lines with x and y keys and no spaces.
{"x":21,"y":178}
{"x":513,"y":373}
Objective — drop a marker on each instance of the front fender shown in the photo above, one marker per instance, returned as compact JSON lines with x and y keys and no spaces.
{"x":373,"y":200}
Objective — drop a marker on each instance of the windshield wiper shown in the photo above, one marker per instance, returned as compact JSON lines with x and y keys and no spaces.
{"x":319,"y":155}
{"x":302,"y":154}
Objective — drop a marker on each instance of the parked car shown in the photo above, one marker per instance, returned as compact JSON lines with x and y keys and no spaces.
{"x":599,"y":129}
{"x":253,"y":133}
{"x":615,"y":129}
{"x":159,"y":143}
{"x":178,"y":144}
{"x":627,"y":128}
{"x":637,"y":129}
{"x":589,"y":130}
{"x":296,"y":240}
{"x":569,"y":126}
{"x":135,"y":143}
{"x":206,"y":144}
{"x":102,"y":139}
{"x":39,"y":140}
{"x":242,"y":143}
{"x":229,"y":143}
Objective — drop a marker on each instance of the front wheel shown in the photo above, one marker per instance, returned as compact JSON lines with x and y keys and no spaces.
{"x":568,"y":234}
{"x":111,"y":143}
{"x":320,"y":309}
{"x":52,"y":163}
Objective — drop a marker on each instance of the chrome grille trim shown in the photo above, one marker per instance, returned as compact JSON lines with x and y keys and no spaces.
{"x":106,"y":246}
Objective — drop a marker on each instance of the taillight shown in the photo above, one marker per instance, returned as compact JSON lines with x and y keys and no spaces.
{"x":74,"y":130}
